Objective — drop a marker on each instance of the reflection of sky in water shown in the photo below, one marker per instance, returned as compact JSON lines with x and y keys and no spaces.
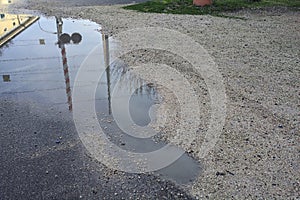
{"x":141,"y":99}
{"x":185,"y":169}
{"x":36,"y":74}
{"x":36,"y":70}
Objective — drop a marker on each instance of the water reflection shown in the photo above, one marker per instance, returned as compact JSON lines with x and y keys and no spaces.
{"x":6,"y":2}
{"x":11,"y":25}
{"x":33,"y":65}
{"x":143,"y":96}
{"x":6,"y":78}
{"x":107,"y":67}
{"x":61,"y":37}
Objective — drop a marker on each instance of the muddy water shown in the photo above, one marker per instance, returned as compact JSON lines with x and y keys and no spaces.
{"x":35,"y":67}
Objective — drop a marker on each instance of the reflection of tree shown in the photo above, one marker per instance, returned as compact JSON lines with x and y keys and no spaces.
{"x":134,"y":84}
{"x":129,"y":83}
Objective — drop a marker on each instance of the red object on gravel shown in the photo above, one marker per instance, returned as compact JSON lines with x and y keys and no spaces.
{"x":202,"y":2}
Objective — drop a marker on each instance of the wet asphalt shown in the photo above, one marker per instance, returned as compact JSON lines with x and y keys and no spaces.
{"x":43,"y":158}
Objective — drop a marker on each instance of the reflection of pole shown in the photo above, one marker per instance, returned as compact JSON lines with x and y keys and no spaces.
{"x":59,"y":24}
{"x":107,"y":67}
{"x":19,"y":21}
{"x":67,"y":78}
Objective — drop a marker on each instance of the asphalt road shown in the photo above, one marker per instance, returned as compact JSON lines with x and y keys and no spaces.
{"x":43,"y":158}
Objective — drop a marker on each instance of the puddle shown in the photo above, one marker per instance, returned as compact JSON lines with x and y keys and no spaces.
{"x":35,"y":67}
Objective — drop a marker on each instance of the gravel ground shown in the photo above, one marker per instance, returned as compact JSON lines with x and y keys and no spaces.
{"x":257,"y":155}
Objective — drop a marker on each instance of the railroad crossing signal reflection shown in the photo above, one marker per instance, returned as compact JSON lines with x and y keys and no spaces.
{"x":63,"y":39}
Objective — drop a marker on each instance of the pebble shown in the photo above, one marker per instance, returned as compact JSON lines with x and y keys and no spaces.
{"x":220,"y":174}
{"x":95,"y":191}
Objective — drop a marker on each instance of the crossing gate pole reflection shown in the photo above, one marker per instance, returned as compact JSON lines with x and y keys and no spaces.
{"x":61,"y":45}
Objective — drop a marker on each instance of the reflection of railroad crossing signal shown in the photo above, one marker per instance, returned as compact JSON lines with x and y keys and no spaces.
{"x":64,"y":38}
{"x":76,"y":38}
{"x":67,"y":77}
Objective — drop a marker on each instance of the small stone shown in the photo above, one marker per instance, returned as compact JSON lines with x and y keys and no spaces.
{"x":190,"y":151}
{"x":229,"y":172}
{"x":57,"y":141}
{"x":94,"y":191}
{"x":220,"y":174}
{"x":280,"y":126}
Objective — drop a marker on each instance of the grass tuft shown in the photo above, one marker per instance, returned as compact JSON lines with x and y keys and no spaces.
{"x":217,"y":8}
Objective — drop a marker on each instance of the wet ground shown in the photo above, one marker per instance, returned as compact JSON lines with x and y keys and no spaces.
{"x":42,"y":156}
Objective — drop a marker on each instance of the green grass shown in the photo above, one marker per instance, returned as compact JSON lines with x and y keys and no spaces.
{"x":218,"y":7}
